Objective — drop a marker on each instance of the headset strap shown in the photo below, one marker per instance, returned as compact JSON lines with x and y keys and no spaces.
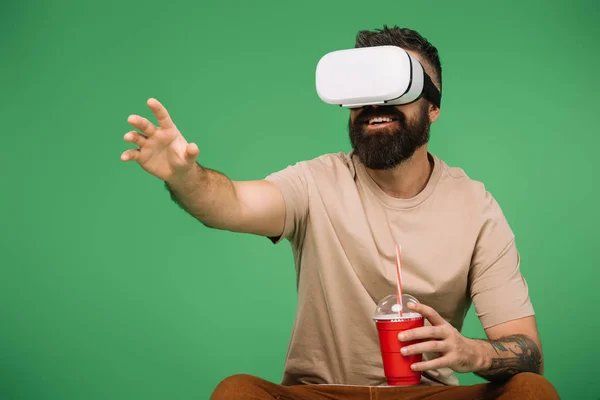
{"x":430,"y":92}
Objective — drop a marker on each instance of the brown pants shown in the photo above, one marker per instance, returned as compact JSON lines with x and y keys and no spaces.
{"x":522,"y":386}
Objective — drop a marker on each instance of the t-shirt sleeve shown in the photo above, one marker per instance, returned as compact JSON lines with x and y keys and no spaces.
{"x":497,"y":286}
{"x":292,"y":183}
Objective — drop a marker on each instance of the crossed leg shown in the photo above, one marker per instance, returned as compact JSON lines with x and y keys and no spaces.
{"x":523,"y":386}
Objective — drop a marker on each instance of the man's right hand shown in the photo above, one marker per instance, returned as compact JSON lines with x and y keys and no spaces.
{"x":242,"y":206}
{"x":163,"y":151}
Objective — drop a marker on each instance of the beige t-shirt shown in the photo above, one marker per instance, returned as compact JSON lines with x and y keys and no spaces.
{"x":457,"y":249}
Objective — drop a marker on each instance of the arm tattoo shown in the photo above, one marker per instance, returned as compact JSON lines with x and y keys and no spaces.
{"x":513,"y":354}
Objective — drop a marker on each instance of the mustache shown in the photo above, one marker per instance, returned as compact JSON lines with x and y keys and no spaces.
{"x":380,"y":111}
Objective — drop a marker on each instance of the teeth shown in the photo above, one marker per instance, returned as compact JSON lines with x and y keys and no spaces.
{"x":380,"y":119}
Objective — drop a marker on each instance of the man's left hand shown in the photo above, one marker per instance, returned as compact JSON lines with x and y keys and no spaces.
{"x":457,"y":352}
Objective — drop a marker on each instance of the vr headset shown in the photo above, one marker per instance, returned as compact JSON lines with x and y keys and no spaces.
{"x":379,"y":75}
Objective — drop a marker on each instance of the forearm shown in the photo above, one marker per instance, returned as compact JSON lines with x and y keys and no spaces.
{"x":503,"y":358}
{"x":207,"y":195}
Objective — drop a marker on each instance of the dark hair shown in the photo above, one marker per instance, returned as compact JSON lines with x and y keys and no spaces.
{"x":407,"y":39}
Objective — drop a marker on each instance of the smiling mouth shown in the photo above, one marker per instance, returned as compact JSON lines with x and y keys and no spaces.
{"x":380,"y":121}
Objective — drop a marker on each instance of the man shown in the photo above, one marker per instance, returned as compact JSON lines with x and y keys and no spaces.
{"x":343,"y":215}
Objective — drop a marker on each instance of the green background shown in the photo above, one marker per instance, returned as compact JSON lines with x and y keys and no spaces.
{"x":110,"y":291}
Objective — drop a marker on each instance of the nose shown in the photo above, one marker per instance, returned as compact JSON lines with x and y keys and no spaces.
{"x":363,"y":108}
{"x":370,"y":107}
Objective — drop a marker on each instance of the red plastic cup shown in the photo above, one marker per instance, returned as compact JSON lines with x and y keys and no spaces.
{"x":396,"y":366}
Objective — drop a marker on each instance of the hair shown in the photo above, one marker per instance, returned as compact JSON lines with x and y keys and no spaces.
{"x":407,"y":39}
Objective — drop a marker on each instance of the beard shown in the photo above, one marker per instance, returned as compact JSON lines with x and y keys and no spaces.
{"x":388,"y":147}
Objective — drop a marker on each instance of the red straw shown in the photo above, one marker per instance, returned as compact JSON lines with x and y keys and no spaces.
{"x":399,"y":277}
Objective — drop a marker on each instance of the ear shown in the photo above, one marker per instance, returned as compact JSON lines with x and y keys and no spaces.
{"x":434,"y":113}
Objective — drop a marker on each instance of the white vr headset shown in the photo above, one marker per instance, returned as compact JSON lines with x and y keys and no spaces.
{"x":379,"y":75}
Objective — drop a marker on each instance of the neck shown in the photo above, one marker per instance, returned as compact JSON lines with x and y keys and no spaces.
{"x":407,"y":179}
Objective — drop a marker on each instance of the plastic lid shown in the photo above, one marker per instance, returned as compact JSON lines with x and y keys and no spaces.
{"x":389,"y":309}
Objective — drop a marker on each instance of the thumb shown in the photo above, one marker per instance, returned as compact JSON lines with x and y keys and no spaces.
{"x":191,"y":152}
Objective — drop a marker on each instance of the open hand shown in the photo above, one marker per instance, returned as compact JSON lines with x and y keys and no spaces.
{"x":163,"y":151}
{"x":457,"y":352}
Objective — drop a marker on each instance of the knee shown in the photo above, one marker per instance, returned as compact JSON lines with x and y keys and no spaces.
{"x":534,"y":386}
{"x":236,"y":386}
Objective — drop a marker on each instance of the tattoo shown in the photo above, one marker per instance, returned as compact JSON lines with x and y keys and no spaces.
{"x":497,"y":346}
{"x":516,"y":353}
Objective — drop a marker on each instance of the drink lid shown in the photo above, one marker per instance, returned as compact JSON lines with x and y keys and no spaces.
{"x":389,"y":309}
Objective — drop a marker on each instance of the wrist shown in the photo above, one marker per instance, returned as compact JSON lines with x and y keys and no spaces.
{"x":483,"y":359}
{"x":183,"y":178}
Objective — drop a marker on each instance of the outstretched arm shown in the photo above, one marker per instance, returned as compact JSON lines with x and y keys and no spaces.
{"x":211,"y":197}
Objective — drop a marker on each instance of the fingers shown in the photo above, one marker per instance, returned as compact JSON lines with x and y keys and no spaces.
{"x":427,"y":312}
{"x":142,"y":124}
{"x":436,"y":363}
{"x":191,"y":152}
{"x":162,"y":116}
{"x":135,"y":138}
{"x":130,"y":155}
{"x":426,"y":332}
{"x":431,"y":346}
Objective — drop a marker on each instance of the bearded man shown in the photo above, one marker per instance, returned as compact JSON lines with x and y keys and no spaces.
{"x":343,"y":215}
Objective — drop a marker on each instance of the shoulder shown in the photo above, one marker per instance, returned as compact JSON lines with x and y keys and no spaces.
{"x":328,"y":165}
{"x":332,"y":169}
{"x":330,"y":160}
{"x":455,"y":182}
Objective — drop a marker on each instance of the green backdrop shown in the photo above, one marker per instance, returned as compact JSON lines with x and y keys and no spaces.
{"x":110,"y":291}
